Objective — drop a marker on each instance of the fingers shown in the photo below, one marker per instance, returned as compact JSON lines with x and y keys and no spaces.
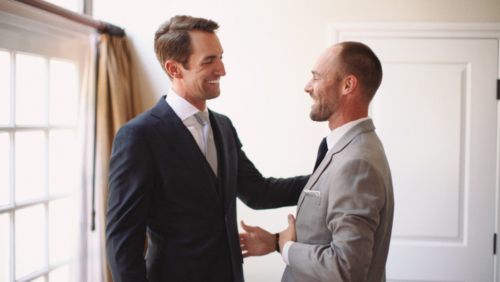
{"x":242,"y":238}
{"x":244,"y":249}
{"x":246,"y":227}
{"x":291,"y":220}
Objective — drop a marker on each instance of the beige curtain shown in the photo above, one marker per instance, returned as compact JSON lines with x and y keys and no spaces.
{"x":117,"y":102}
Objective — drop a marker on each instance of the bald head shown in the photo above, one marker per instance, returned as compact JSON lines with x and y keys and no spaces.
{"x":345,"y":79}
{"x":354,"y":58}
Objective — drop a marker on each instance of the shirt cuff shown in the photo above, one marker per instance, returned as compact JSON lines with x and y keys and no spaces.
{"x":284,"y":252}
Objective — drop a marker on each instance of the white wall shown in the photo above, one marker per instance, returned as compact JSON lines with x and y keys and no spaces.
{"x":270,"y":47}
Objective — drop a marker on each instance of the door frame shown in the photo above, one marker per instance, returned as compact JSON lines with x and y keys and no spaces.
{"x":338,"y":31}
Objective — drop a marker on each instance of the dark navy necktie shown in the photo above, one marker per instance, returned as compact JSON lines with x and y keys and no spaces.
{"x":323,"y":148}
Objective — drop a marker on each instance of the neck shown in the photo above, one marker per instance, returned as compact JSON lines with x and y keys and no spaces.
{"x":199,"y":104}
{"x":337,"y":120}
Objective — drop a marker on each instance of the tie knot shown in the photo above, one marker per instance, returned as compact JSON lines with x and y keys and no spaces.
{"x":202,"y":117}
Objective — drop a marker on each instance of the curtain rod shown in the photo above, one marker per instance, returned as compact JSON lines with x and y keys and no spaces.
{"x":102,"y":27}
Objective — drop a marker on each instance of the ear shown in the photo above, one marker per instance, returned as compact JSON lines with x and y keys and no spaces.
{"x":173,"y":68}
{"x":349,"y":85}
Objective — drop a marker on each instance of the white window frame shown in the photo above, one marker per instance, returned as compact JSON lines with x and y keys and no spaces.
{"x":21,"y":17}
{"x":12,"y":128}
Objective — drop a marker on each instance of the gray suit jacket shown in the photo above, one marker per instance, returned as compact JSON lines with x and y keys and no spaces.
{"x":344,"y":214}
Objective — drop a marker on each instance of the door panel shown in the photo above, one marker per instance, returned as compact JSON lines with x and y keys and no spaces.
{"x":433,"y":102}
{"x":435,"y":113}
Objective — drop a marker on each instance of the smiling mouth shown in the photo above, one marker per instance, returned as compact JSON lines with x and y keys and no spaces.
{"x":315,"y":101}
{"x":213,"y":81}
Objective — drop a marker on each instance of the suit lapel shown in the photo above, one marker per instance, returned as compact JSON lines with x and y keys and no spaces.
{"x":223,"y":162}
{"x":179,"y":137}
{"x":358,"y":129}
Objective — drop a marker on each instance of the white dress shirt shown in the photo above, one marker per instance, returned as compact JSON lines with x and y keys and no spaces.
{"x":331,"y":140}
{"x":186,"y":111}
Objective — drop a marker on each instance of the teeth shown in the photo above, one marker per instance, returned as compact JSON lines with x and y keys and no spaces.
{"x":213,"y":81}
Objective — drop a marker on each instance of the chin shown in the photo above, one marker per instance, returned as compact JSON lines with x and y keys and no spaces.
{"x":212,"y":95}
{"x":318,"y":116}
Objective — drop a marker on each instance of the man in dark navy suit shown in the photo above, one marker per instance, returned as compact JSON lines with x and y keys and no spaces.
{"x":176,"y":170}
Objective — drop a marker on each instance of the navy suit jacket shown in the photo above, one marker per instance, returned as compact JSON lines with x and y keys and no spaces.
{"x":161,"y":184}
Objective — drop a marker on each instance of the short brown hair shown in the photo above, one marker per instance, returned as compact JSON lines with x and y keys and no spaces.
{"x":359,"y":60}
{"x":172,"y":40}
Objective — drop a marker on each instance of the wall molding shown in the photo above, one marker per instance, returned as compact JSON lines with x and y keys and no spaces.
{"x":337,"y":31}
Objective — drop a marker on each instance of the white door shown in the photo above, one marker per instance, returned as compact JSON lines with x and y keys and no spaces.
{"x":436,"y":116}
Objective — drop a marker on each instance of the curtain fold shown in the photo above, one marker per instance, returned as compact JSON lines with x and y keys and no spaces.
{"x":118,"y":101}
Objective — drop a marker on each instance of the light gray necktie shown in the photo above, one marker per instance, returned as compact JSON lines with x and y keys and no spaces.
{"x":208,"y":140}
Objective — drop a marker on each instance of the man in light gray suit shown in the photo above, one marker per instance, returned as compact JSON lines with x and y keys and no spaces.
{"x":345,"y":212}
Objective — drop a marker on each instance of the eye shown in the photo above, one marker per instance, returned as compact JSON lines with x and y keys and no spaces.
{"x":207,"y":62}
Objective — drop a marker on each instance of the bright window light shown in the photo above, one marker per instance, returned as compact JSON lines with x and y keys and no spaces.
{"x":63,"y":93}
{"x":4,"y":170}
{"x":61,"y":274}
{"x":30,"y":165}
{"x":63,"y":153}
{"x":39,"y":279}
{"x":5,"y":77}
{"x":31,"y":82}
{"x":62,"y":224}
{"x":30,"y":240}
{"x":72,"y":5}
{"x":4,"y":248}
{"x":41,"y":155}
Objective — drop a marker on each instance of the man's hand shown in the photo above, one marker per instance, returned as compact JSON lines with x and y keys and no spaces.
{"x":257,"y":241}
{"x":288,"y":234}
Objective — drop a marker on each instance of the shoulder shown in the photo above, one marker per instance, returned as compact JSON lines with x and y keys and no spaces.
{"x":366,"y":146}
{"x":364,"y":152}
{"x":138,"y":125}
{"x":365,"y":155}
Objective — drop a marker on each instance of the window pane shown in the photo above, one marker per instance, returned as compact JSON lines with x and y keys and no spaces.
{"x":71,"y":5}
{"x":63,"y":155}
{"x":30,"y":240}
{"x":4,"y":248}
{"x":4,"y":169}
{"x":30,"y":90}
{"x":30,"y":165}
{"x":4,"y":87}
{"x":39,"y":279}
{"x":61,"y":274}
{"x":63,"y":93}
{"x":62,"y":224}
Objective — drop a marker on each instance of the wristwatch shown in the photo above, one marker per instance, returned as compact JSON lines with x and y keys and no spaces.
{"x":277,"y":242}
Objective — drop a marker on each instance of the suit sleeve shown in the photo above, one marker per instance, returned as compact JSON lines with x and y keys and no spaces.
{"x":355,"y":198}
{"x":130,"y":181}
{"x":258,"y":192}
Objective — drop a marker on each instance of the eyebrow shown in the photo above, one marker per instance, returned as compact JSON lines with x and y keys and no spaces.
{"x":316,"y":73}
{"x":211,"y":57}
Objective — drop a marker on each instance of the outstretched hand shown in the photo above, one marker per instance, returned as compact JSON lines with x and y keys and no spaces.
{"x":257,"y":241}
{"x":288,"y":234}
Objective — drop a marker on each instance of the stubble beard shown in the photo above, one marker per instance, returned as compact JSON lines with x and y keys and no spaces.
{"x":326,"y":107}
{"x":210,"y":94}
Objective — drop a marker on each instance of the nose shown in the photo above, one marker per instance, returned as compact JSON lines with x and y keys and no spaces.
{"x":308,"y":88}
{"x":220,"y":69}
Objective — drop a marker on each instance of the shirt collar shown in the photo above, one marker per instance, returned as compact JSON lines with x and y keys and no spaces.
{"x":182,"y":108}
{"x":338,"y":132}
